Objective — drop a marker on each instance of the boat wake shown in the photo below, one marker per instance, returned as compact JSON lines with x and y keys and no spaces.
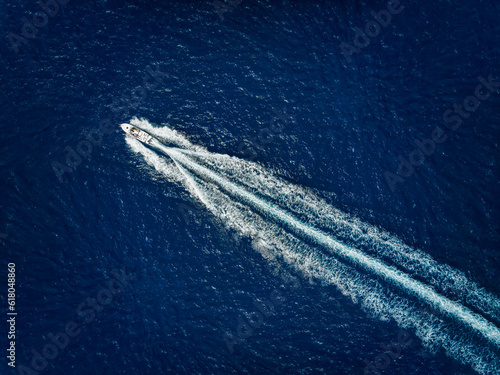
{"x":375,"y":269}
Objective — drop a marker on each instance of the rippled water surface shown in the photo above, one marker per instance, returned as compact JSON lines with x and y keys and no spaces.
{"x":148,"y":264}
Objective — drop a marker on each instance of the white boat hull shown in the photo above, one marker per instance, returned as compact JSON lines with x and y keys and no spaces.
{"x":137,"y":133}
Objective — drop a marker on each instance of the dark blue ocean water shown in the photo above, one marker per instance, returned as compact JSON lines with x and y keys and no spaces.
{"x":267,"y":83}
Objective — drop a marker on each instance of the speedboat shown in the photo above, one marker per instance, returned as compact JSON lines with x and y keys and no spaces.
{"x":137,"y":133}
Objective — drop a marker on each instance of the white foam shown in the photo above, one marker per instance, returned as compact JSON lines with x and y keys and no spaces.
{"x":166,"y":134}
{"x":279,"y":215}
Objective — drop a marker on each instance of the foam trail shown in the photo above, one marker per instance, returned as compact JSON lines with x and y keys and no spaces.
{"x":283,"y":218}
{"x":350,"y":230}
{"x":350,"y":254}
